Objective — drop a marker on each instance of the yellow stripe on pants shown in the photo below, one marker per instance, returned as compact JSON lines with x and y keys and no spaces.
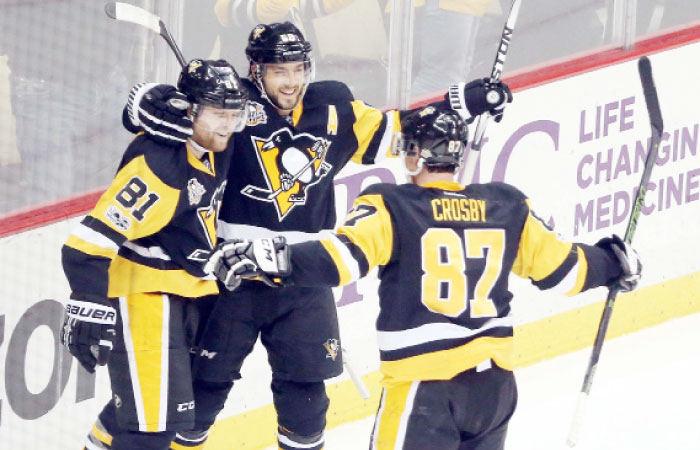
{"x":393,"y":416}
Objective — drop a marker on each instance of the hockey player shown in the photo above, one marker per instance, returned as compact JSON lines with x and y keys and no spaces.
{"x":134,"y":266}
{"x":299,"y":135}
{"x":445,"y":329}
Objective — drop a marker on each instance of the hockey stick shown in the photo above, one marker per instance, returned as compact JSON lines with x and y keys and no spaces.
{"x":356,"y":379}
{"x":473,"y":155}
{"x":130,"y":13}
{"x":657,"y":127}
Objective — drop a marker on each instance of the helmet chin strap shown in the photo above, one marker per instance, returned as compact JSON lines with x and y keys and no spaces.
{"x":411,"y":173}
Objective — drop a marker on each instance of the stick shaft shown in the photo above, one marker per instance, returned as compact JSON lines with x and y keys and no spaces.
{"x":652,"y":102}
{"x":496,"y":72}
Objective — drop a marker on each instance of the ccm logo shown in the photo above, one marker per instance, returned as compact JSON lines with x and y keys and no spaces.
{"x":182,"y":407}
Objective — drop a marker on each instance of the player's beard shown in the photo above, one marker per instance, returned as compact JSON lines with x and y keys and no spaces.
{"x":286,"y":102}
{"x":215,"y":141}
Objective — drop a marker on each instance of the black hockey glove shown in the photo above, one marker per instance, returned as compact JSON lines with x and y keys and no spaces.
{"x":630,"y":264}
{"x":479,"y":96}
{"x":267,"y":260}
{"x":88,"y":329}
{"x":159,"y":110}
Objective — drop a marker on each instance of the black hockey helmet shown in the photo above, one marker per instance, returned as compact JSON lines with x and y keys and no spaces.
{"x":277,"y":43}
{"x":212,"y":83}
{"x":439,"y":135}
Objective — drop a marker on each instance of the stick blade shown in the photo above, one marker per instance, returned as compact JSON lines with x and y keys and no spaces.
{"x":129,"y":13}
{"x":650,"y":95}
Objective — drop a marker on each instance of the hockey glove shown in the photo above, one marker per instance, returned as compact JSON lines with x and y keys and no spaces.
{"x":630,"y":264}
{"x":479,"y":96}
{"x":266,"y":260}
{"x":88,"y":330}
{"x":159,"y":110}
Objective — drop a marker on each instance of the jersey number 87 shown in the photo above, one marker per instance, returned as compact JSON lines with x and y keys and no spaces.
{"x":444,"y":281}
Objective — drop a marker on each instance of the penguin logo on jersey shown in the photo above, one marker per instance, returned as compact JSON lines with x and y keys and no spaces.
{"x":290,"y":164}
{"x":207,"y":216}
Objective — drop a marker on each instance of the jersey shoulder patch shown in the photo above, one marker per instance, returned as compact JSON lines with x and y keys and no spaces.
{"x":327,"y":92}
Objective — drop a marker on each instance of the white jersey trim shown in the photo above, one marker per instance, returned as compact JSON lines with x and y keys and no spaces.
{"x":230,"y":231}
{"x":147,"y":252}
{"x":89,"y":235}
{"x":394,"y":340}
{"x":348,"y":259}
{"x":568,"y":282}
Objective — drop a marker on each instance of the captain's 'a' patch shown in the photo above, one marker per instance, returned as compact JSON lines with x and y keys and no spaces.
{"x":291,"y":164}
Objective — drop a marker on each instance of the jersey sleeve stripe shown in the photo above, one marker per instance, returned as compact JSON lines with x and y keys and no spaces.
{"x":89,"y":248}
{"x":356,"y":253}
{"x":582,"y":273}
{"x":540,"y":252}
{"x":368,"y":121}
{"x":147,"y":252}
{"x":94,"y":237}
{"x":348,"y":269}
{"x":561,"y":273}
{"x":393,"y":124}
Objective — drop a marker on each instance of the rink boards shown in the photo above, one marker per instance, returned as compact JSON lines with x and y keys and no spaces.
{"x":575,"y":145}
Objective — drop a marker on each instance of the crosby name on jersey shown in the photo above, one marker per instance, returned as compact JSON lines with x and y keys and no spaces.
{"x":444,"y":254}
{"x":147,"y":233}
{"x":283,"y":166}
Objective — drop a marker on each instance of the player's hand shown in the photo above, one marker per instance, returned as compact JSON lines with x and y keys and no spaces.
{"x":264,"y":259}
{"x":160,"y":110}
{"x":480,"y":96}
{"x":630,"y":264}
{"x":88,"y":329}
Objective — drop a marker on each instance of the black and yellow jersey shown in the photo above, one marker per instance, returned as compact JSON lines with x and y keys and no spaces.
{"x":153,"y":228}
{"x":281,"y":176}
{"x":444,"y":254}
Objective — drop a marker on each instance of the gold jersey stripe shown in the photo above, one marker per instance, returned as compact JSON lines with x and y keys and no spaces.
{"x":582,"y":272}
{"x":367,"y":122}
{"x":540,"y":252}
{"x":296,"y":114}
{"x":101,"y":435}
{"x":445,"y":364}
{"x":343,"y":270}
{"x":128,"y":277}
{"x":89,"y":248}
{"x":373,"y":234}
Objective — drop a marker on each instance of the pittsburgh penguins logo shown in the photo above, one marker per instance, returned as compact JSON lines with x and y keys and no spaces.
{"x":207,"y":216}
{"x":291,"y":164}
